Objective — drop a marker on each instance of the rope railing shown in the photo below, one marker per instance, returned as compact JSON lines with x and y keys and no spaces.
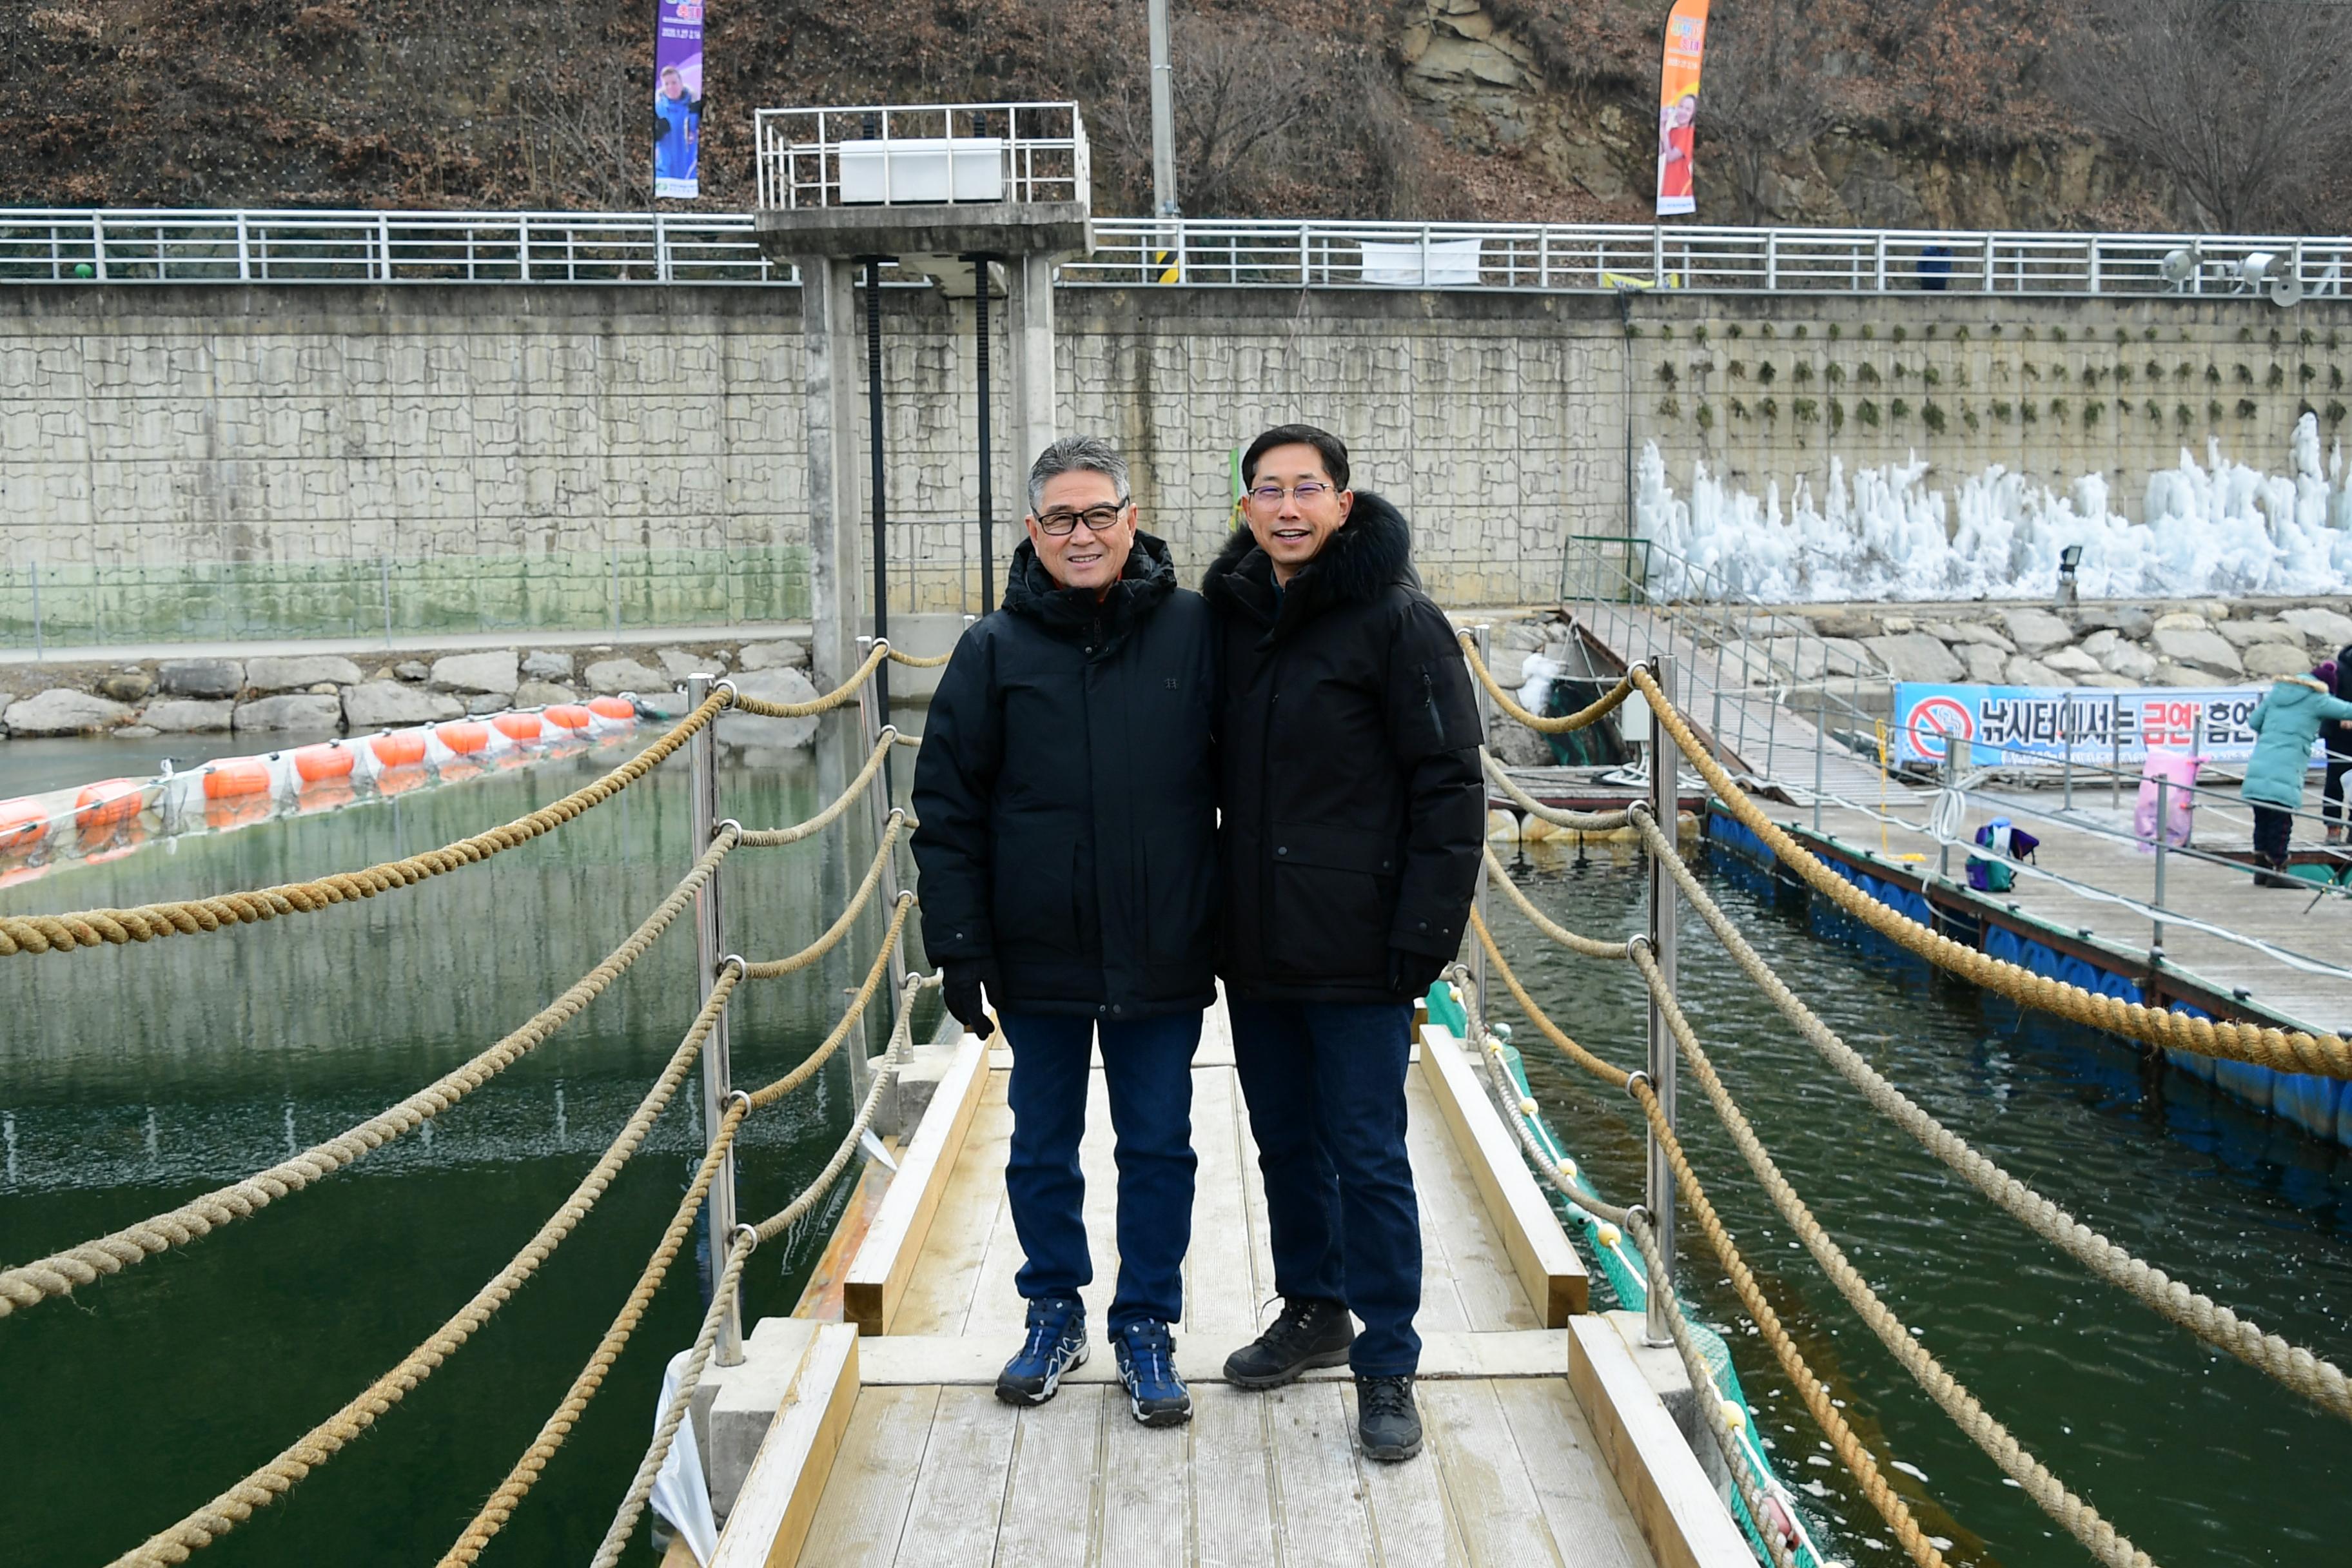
{"x":2079,"y":1518}
{"x":2309,"y":1374}
{"x":1600,"y":709}
{"x":1558,"y":815}
{"x":1575,"y":941}
{"x":29,"y":1284}
{"x":776,"y":968}
{"x":1849,"y":1449}
{"x":2294,"y":1052}
{"x":265,"y":1484}
{"x":502,"y":1503}
{"x":748,"y":1237}
{"x":777,"y":837}
{"x":93,"y":928}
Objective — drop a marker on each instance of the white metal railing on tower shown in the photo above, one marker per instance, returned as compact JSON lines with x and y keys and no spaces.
{"x":1038,"y":159}
{"x":929,"y":153}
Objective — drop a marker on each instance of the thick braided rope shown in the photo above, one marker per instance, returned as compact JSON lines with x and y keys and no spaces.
{"x":1598,"y":709}
{"x":767,"y":1096}
{"x":271,"y":1482}
{"x":1856,"y":1459}
{"x":776,"y":837}
{"x":1718,"y":1409}
{"x":2311,"y":1375}
{"x":1558,"y":815}
{"x":1590,"y":947}
{"x":1815,"y":1393}
{"x":1515,"y":1109}
{"x":775,"y":968}
{"x":915,"y":662}
{"x":32,"y":1283}
{"x":2081,"y":1520}
{"x":2296,"y":1052}
{"x":1608,"y":1072}
{"x":840,"y":696}
{"x":633,"y":1502}
{"x":89,"y":928}
{"x":527,"y":1471}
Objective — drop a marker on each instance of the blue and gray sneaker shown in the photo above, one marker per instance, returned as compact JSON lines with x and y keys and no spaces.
{"x":1147,"y":1364}
{"x":1056,"y":1342}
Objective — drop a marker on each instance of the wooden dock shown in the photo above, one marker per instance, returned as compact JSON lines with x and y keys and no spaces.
{"x":1545,"y":1442}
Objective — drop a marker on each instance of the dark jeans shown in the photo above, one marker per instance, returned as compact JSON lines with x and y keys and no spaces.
{"x":2331,"y":794}
{"x":2272,"y":826}
{"x":1324,"y":1083}
{"x":1148,"y":1073}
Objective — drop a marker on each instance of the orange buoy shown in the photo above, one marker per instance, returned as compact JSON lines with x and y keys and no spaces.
{"x":407,"y":777}
{"x":463,"y":736}
{"x":24,"y":822}
{"x":328,"y":761}
{"x":238,"y":776}
{"x":568,"y":716}
{"x":241,"y":810}
{"x":103,"y":806}
{"x":518,"y":727}
{"x":327,"y":794}
{"x":612,"y":708}
{"x":398,"y":749}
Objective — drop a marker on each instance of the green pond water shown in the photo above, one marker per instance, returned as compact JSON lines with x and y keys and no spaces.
{"x":131,"y":1079}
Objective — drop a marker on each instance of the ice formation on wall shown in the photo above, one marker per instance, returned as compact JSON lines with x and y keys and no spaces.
{"x":2216,"y":528}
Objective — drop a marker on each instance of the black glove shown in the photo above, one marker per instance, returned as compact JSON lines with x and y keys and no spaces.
{"x":1413,"y":974}
{"x":960,"y":980}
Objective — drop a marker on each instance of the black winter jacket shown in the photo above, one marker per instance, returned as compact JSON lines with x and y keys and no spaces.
{"x":1346,"y":739}
{"x":1066,"y":791}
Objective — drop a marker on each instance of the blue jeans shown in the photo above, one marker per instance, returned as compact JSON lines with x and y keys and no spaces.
{"x":1148,"y":1073}
{"x":1324,"y":1083}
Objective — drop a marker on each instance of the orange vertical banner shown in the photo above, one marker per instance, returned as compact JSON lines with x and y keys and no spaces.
{"x":1678,"y":106}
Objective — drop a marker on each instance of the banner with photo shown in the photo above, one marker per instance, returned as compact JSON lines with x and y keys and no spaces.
{"x":678,"y":97}
{"x":2029,"y":726}
{"x":1678,"y":106}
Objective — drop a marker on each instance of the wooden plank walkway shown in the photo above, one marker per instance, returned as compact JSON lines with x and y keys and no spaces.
{"x":925,"y":1466}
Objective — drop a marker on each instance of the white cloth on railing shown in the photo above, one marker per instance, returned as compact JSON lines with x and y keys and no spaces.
{"x":681,"y":1495}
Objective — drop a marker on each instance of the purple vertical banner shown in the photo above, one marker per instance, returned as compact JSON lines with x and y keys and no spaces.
{"x":678,"y":97}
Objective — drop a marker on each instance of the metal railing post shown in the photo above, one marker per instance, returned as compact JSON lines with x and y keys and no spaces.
{"x":869,"y":709}
{"x":1821,"y":737}
{"x":1482,"y":635}
{"x":1658,"y":1193}
{"x":709,"y":953}
{"x":2163,"y":843}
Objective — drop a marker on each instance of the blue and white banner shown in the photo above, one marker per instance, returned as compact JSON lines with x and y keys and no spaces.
{"x":678,"y":97}
{"x":2025,"y":726}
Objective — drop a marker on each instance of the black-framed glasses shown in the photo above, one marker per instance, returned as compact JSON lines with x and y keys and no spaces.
{"x":1098,"y":519}
{"x":1307,"y":493}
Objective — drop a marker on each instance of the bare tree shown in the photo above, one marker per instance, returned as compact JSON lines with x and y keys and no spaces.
{"x":1762,"y":96}
{"x":2246,"y":104}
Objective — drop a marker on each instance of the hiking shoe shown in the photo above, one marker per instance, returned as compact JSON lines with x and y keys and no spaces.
{"x":1145,"y":1353}
{"x":1056,"y":1342}
{"x":1387,"y":1423}
{"x":1310,"y":1332}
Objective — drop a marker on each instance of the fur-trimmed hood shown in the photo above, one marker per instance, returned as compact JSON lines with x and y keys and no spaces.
{"x":1371,"y":554}
{"x":2313,"y":681}
{"x":1143,"y":585}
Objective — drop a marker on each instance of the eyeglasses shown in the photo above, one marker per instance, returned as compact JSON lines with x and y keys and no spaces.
{"x":1098,"y":519}
{"x":1306,"y":493}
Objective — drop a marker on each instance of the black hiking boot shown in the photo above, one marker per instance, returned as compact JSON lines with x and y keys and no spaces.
{"x":1387,"y":1423}
{"x":1308,"y":1333}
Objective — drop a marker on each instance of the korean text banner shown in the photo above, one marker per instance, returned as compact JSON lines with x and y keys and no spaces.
{"x":2027,"y":726}
{"x":1678,"y":106}
{"x":678,"y":97}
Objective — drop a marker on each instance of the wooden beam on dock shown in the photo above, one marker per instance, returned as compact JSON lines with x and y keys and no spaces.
{"x":1680,"y":1516}
{"x":878,"y":1277}
{"x":772,"y":1515}
{"x":1545,"y":1262}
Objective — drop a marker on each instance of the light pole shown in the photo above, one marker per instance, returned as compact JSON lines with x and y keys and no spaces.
{"x":1163,"y":115}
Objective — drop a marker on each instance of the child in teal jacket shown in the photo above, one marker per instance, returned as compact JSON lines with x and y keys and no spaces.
{"x":2285,"y":723}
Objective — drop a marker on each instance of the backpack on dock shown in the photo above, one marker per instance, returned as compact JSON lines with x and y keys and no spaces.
{"x":2004,"y":839}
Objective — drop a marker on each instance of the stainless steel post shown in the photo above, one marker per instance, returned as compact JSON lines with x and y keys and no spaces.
{"x":2066,"y":738}
{"x":2115,"y":753}
{"x":2163,"y":843}
{"x":1482,"y":635}
{"x":710,"y":951}
{"x":1163,"y":114}
{"x":1658,"y":1195}
{"x":1821,"y":737}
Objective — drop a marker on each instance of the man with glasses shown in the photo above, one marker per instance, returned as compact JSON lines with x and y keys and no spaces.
{"x":1354,"y":820}
{"x":1067,"y":853}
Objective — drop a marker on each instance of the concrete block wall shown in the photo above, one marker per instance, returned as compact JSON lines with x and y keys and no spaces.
{"x":241,"y":461}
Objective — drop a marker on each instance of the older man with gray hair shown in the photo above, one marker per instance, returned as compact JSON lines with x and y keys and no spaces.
{"x":1068,"y":854}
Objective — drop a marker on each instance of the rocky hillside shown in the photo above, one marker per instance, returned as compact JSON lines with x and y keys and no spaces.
{"x":1840,"y":111}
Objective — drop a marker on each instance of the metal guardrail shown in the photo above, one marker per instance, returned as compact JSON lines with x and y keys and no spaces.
{"x":922,"y":153}
{"x":184,"y":246}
